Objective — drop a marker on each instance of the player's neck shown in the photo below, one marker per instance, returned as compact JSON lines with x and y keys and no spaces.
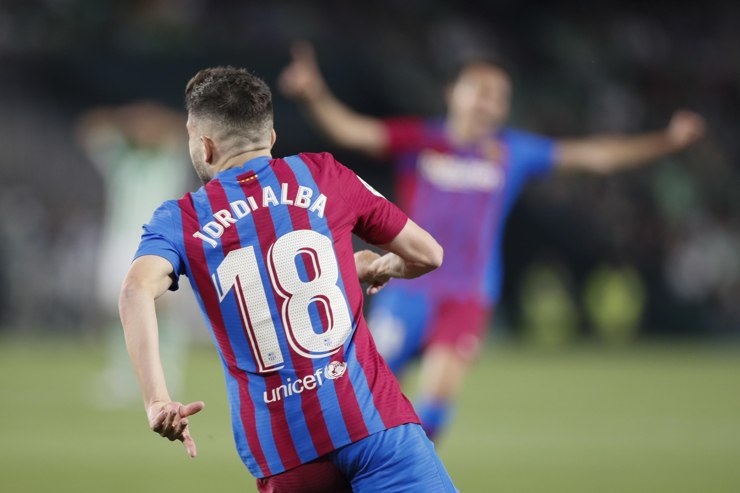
{"x":242,"y":157}
{"x":462,"y":133}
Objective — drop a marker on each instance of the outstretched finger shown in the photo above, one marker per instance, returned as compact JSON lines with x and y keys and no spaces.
{"x":189,"y":443}
{"x":192,"y":408}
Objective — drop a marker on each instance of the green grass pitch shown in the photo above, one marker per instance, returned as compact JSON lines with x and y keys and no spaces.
{"x":648,"y":419}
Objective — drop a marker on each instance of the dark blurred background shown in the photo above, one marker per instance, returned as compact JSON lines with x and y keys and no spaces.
{"x":662,"y":242}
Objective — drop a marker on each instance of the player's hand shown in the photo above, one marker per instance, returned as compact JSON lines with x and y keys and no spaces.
{"x":301,"y":79}
{"x":363,"y":260}
{"x":685,"y":128}
{"x":369,"y":270}
{"x":169,"y":419}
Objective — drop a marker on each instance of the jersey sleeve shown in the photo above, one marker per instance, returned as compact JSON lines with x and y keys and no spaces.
{"x":405,"y":134}
{"x":158,"y":239}
{"x":534,"y":153}
{"x":378,"y":220}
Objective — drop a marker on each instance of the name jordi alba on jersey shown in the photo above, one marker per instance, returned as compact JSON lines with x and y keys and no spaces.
{"x":299,"y":197}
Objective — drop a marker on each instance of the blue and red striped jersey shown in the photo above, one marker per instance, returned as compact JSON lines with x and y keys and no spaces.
{"x":267,"y":248}
{"x":462,"y":195}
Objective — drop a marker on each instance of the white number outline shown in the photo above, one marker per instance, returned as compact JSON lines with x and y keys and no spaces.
{"x":239,"y":270}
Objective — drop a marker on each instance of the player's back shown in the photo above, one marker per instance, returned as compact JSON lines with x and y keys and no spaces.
{"x":268,"y":249}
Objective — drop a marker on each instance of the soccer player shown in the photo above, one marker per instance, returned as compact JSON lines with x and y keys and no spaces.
{"x":266,"y":244}
{"x":458,"y":177}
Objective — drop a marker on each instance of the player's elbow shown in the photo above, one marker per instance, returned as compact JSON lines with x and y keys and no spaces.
{"x":437,"y":256}
{"x":131,"y":290}
{"x":433,"y":257}
{"x":603,"y":165}
{"x":600,"y":165}
{"x":128,"y":292}
{"x":592,"y":157}
{"x":365,"y":135}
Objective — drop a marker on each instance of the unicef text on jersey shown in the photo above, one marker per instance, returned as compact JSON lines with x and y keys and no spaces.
{"x":332,"y":371}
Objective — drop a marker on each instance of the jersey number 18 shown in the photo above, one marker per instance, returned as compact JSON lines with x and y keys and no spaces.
{"x":240,"y":270}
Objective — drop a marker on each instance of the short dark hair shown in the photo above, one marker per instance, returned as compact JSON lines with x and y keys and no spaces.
{"x":466,"y":60}
{"x":233,"y":97}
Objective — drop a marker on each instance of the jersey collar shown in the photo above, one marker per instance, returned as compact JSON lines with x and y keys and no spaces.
{"x":254,"y":165}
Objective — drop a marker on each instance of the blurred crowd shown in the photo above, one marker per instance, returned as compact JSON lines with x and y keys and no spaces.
{"x":650,"y":252}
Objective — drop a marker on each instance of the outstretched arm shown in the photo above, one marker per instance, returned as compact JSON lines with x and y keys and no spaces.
{"x":412,"y":253}
{"x":147,"y":280}
{"x":302,"y":81}
{"x":609,"y":153}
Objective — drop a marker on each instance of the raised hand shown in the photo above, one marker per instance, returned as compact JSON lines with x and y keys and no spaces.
{"x":169,"y":420}
{"x":685,"y":128}
{"x":301,"y":79}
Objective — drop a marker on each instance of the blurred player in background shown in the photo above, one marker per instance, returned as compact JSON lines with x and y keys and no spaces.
{"x":458,"y":177}
{"x":140,"y":151}
{"x":267,"y":246}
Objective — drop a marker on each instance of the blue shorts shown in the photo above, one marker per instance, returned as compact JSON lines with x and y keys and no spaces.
{"x":399,"y":460}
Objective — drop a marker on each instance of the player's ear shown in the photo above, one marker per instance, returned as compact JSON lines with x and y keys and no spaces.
{"x":273,"y":138}
{"x":208,"y":149}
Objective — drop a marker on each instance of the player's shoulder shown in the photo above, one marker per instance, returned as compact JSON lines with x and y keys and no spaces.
{"x":519,"y":137}
{"x":164,"y":217}
{"x":171,"y":211}
{"x":318,"y":159}
{"x":167,"y":209}
{"x":320,"y":163}
{"x":517,"y":133}
{"x":325,"y":170}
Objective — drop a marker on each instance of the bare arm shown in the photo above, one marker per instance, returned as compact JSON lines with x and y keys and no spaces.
{"x":412,"y":253}
{"x":606,"y":154}
{"x":302,"y":81}
{"x":147,"y":280}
